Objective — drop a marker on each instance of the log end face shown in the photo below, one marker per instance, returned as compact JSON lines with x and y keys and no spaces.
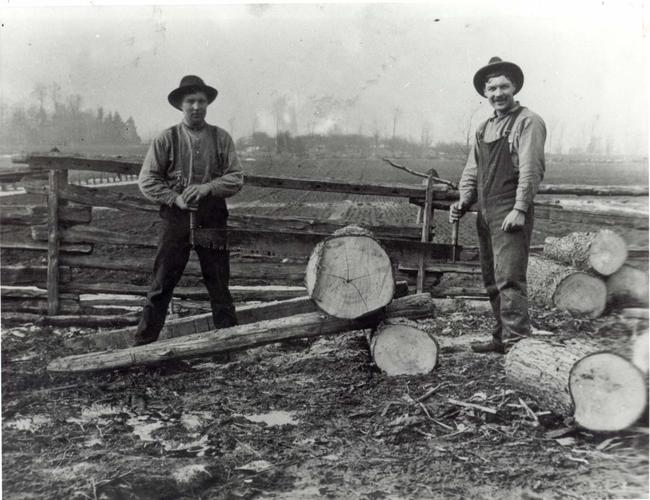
{"x":607,"y":253}
{"x":609,"y":392}
{"x":581,"y":294}
{"x":401,"y":349}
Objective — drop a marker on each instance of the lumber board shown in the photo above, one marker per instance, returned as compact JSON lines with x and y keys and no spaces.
{"x":69,"y":320}
{"x":30,"y":275}
{"x":312,"y":324}
{"x":107,"y":198}
{"x":443,"y":267}
{"x":173,"y":328}
{"x":25,"y":244}
{"x":81,"y":162}
{"x":39,"y":306}
{"x":31,"y":215}
{"x":30,"y":292}
{"x":56,"y":180}
{"x":600,"y":217}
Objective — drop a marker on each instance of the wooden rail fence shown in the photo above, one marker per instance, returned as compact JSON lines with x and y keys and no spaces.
{"x":267,"y":251}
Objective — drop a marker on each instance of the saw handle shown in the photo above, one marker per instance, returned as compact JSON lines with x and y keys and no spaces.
{"x":454,"y":241}
{"x":193,"y":210}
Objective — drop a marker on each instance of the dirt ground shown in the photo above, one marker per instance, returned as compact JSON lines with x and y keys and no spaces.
{"x":300,"y":421}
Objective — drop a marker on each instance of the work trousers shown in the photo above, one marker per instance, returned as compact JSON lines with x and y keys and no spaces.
{"x":504,"y":260}
{"x":171,"y":258}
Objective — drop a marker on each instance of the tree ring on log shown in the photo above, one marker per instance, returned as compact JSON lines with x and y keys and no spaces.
{"x":350,"y":275}
{"x":609,"y":393}
{"x":398,"y":347}
{"x":581,"y":293}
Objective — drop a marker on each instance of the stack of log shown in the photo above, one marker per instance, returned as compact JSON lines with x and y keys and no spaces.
{"x":586,"y":274}
{"x":600,"y":382}
{"x":349,"y":278}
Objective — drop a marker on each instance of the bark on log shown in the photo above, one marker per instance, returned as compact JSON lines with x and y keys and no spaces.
{"x":349,"y":274}
{"x":627,"y":287}
{"x":554,"y":285}
{"x":603,"y":252}
{"x":544,"y":370}
{"x":399,"y":347}
{"x":242,"y":336}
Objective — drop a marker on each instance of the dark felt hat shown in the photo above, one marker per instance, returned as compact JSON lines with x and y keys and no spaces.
{"x":188,"y":85}
{"x":495,"y":65}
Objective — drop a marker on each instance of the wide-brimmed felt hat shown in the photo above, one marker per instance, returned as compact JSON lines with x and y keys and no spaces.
{"x":190,"y":84}
{"x":494,"y":66}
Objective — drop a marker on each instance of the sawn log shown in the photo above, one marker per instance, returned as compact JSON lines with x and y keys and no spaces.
{"x":239,"y":337}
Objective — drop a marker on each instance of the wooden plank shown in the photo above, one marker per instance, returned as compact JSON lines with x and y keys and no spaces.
{"x":587,"y":215}
{"x":444,"y":267}
{"x":239,"y":293}
{"x":313,"y":324}
{"x":20,"y":244}
{"x":107,"y":198}
{"x":592,"y":190}
{"x":30,"y":215}
{"x":29,"y":275}
{"x":75,"y":320}
{"x":427,"y":218}
{"x":39,"y":306}
{"x":57,"y":179}
{"x":123,"y":338}
{"x":92,"y":234}
{"x":399,"y":190}
{"x":77,"y":162}
{"x":30,"y":292}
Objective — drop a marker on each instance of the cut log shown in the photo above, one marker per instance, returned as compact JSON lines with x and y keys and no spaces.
{"x":399,"y":347}
{"x":242,"y":336}
{"x":603,"y":252}
{"x":627,"y":287}
{"x":349,"y":274}
{"x":640,"y":352}
{"x":608,"y":391}
{"x":545,"y":369}
{"x":555,"y":285}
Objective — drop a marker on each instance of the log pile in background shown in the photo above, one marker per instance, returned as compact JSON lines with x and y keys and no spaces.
{"x":600,"y":382}
{"x":585,"y":274}
{"x":603,"y":252}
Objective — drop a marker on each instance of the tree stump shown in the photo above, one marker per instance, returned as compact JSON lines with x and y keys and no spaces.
{"x":603,"y":252}
{"x":555,"y":285}
{"x":399,"y":347}
{"x":627,"y":287}
{"x":349,"y":274}
{"x":590,"y":379}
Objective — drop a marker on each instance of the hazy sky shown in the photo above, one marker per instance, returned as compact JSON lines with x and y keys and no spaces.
{"x":356,"y":66}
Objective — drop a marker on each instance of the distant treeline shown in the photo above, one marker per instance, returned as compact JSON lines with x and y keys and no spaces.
{"x":345,"y":144}
{"x":63,"y":123}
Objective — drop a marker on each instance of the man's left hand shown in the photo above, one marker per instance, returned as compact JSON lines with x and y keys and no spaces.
{"x":514,"y":221}
{"x":195,"y":192}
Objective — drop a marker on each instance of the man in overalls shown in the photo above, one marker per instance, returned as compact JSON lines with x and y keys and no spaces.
{"x":503,"y":173}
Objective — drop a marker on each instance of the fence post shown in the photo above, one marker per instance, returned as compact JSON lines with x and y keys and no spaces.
{"x":427,"y":219}
{"x":57,"y":178}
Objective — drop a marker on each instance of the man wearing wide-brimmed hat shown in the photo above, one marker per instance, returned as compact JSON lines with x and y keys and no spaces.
{"x":192,"y":165}
{"x":503,"y":172}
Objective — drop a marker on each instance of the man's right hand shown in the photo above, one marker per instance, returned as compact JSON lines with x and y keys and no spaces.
{"x":456,"y":211}
{"x":180,"y":203}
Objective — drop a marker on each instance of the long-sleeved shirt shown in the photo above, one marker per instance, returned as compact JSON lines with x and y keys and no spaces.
{"x":207,"y":153}
{"x":526,"y":142}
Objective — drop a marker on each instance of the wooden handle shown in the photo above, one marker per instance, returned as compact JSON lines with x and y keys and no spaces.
{"x":454,"y":241}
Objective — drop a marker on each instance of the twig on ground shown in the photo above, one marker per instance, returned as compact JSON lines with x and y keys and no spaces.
{"x":530,"y":412}
{"x":484,"y":409}
{"x":429,"y":393}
